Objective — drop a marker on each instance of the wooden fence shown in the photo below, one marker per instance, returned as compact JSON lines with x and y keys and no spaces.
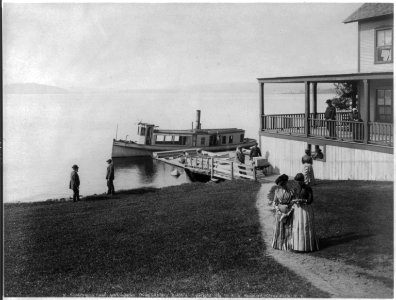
{"x":220,"y":168}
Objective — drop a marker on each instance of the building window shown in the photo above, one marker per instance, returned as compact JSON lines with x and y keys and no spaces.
{"x":319,"y":152}
{"x":202,"y":141}
{"x":230,"y":139}
{"x":383,"y":46}
{"x":183,"y":140}
{"x":223,"y":139}
{"x":159,"y":139}
{"x":242,"y":137}
{"x":384,"y":106}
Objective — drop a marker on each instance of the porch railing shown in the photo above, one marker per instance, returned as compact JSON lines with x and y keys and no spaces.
{"x":381,"y":133}
{"x":337,"y":129}
{"x":340,"y":129}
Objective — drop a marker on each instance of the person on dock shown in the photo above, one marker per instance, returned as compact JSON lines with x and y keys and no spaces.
{"x":283,"y":214}
{"x":110,"y":177}
{"x":330,"y":116}
{"x":240,"y":155}
{"x":255,"y":151}
{"x":75,"y":183}
{"x":303,"y":237}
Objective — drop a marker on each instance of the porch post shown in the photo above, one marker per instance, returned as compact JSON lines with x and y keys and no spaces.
{"x":366,"y":92}
{"x":261,"y":101}
{"x":315,"y":101}
{"x":315,"y":98}
{"x":307,"y":102}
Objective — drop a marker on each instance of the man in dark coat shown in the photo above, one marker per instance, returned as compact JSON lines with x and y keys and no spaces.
{"x":330,"y":116}
{"x":75,"y":183}
{"x":255,"y":151}
{"x":110,"y":177}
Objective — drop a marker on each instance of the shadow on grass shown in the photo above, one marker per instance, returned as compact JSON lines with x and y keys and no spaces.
{"x":120,"y":193}
{"x":336,"y":240}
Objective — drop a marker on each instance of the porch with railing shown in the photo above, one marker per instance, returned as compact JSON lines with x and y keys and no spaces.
{"x":341,"y":129}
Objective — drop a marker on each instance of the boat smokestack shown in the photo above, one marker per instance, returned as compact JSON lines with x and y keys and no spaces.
{"x":198,"y":120}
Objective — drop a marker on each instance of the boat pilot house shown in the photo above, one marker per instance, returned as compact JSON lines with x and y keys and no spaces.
{"x":343,"y":148}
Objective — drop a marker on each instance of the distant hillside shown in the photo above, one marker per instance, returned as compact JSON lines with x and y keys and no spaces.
{"x":32,"y":88}
{"x":238,"y":87}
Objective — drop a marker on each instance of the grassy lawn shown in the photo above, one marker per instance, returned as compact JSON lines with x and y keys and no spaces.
{"x":354,"y":220}
{"x":192,"y":240}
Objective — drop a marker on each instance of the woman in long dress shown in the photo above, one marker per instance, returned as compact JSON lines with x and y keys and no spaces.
{"x":307,"y":170}
{"x":303,"y":236}
{"x":283,"y":214}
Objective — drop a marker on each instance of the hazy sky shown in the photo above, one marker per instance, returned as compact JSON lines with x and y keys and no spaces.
{"x":130,"y":45}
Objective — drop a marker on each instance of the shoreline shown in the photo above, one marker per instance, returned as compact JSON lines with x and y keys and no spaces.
{"x":143,"y":190}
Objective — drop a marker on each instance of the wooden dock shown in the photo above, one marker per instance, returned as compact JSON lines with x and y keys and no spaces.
{"x":220,"y":165}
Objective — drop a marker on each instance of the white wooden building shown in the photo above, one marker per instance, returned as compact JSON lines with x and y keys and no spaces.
{"x":359,"y":150}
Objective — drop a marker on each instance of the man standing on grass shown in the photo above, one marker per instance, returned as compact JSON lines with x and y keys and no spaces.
{"x":110,"y":177}
{"x":75,"y":183}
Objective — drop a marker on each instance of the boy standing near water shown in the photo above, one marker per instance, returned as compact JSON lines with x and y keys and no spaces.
{"x":110,"y":177}
{"x":75,"y":183}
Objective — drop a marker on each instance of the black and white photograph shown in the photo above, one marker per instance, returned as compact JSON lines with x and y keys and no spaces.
{"x":174,"y":149}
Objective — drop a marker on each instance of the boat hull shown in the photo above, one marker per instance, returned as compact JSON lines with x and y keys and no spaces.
{"x":128,"y":149}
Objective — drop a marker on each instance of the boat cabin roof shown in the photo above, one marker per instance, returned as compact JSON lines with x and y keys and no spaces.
{"x":202,"y":131}
{"x":146,"y":124}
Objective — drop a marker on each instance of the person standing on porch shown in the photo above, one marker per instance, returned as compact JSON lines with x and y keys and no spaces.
{"x":356,"y":126}
{"x":330,"y":116}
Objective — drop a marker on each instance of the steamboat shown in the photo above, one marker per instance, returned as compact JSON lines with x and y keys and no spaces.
{"x":152,"y":139}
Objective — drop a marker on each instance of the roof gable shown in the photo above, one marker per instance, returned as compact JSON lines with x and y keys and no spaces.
{"x":370,"y":10}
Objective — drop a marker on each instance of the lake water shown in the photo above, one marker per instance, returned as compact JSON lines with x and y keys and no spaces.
{"x":44,"y":135}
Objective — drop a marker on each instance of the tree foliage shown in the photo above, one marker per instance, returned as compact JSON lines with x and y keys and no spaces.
{"x":346,"y":95}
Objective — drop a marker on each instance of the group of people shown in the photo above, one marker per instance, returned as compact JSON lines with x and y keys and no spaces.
{"x":294,"y":217}
{"x":254,"y":152}
{"x":74,"y":183}
{"x":356,"y":127}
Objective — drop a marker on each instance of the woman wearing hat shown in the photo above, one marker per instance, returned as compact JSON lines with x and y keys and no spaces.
{"x":303,"y":237}
{"x":283,"y":214}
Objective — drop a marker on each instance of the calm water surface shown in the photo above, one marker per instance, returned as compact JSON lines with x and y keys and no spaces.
{"x":44,"y":135}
